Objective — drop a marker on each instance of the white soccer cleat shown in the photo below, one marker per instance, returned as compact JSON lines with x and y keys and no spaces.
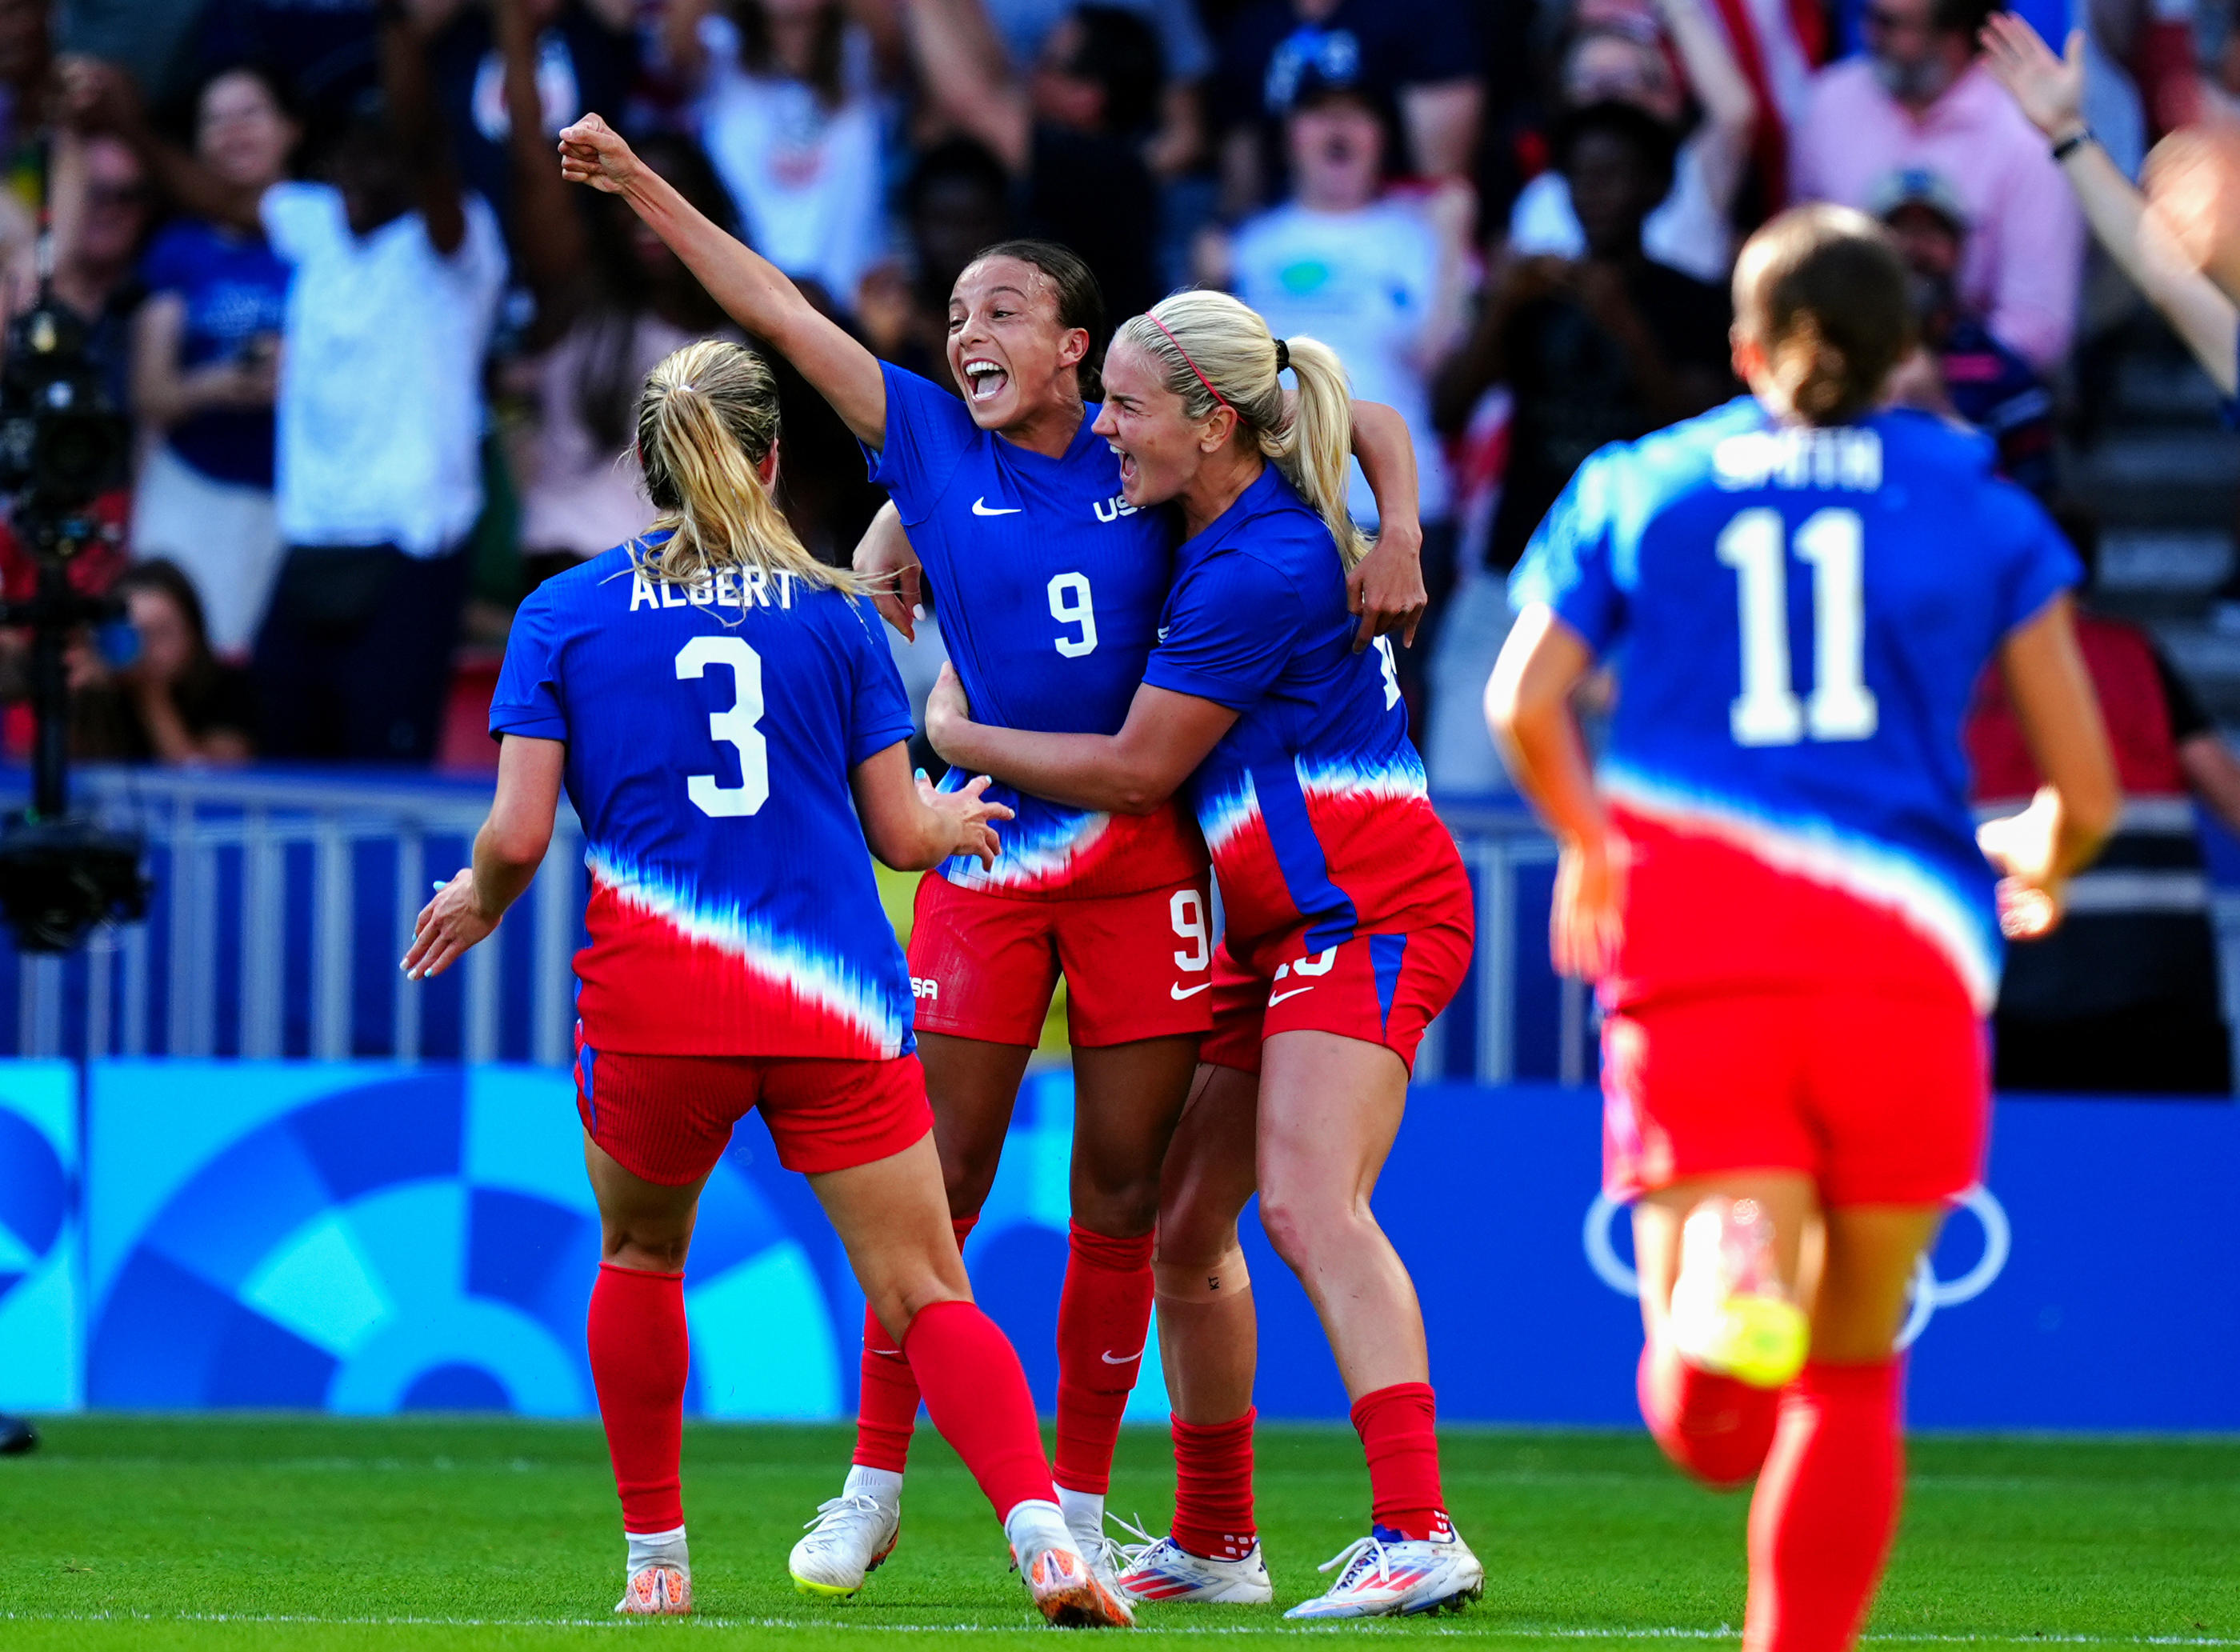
{"x":1730,"y":1315}
{"x":1069,"y":1596}
{"x":1164,"y":1570}
{"x":659,"y":1590}
{"x":846,"y":1542}
{"x":1397,"y":1576}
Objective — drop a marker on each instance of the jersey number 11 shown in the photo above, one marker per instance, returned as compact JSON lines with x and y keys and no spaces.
{"x":1840,"y":707}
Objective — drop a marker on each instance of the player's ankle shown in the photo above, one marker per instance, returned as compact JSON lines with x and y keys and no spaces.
{"x":658,"y":1549}
{"x":865,"y":1481}
{"x":1036,"y":1527}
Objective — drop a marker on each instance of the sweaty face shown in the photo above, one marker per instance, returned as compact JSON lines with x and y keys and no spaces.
{"x":1143,"y":422}
{"x":1005,"y":345}
{"x":241,"y":132}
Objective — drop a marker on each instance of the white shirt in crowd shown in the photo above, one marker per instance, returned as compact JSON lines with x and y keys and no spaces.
{"x":1687,"y":231}
{"x":380,"y":413}
{"x":806,"y":179}
{"x":1362,"y":282}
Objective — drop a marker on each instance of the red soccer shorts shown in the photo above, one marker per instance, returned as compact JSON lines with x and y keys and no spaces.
{"x":668,"y":1118}
{"x":1137,"y":966}
{"x":1881,"y":1099}
{"x":1381,"y":988}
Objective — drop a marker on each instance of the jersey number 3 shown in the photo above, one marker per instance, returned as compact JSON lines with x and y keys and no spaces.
{"x":1840,"y":707}
{"x":737,"y":726}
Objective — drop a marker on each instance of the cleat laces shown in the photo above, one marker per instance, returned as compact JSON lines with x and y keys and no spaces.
{"x":1355,"y":1558}
{"x":838,"y":1511}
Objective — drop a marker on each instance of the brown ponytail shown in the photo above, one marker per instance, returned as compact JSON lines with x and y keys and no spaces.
{"x":706,"y":420}
{"x":1822,"y":292}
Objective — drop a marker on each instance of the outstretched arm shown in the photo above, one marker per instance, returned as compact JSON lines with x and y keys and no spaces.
{"x":2051,"y":91}
{"x":508,"y":850}
{"x":547,"y":233}
{"x":419,"y":130}
{"x":750,"y":288}
{"x":965,"y":73}
{"x":1730,"y":106}
{"x":1165,"y":738}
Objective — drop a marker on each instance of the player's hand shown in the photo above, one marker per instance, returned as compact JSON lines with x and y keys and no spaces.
{"x":593,"y":152}
{"x":447,"y":925}
{"x":2024,"y":847}
{"x":1386,"y":586}
{"x":947,"y":710}
{"x":967,"y":813}
{"x":1587,"y":919}
{"x":2049,"y":91}
{"x":884,"y":557}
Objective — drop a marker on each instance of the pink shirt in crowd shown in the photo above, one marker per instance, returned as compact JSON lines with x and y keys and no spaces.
{"x":2026,"y":246}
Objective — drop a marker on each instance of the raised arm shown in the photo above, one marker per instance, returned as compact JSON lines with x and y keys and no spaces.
{"x":1730,"y":111}
{"x":508,"y":850}
{"x":2051,"y":90}
{"x":432,"y":176}
{"x":547,"y":233}
{"x":100,"y":96}
{"x":752,"y":289}
{"x":911,"y":827}
{"x":2040,"y":849}
{"x":1527,"y":707}
{"x":963,"y":66}
{"x":1134,"y":772}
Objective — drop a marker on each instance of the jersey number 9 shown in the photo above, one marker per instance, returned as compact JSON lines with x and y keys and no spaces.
{"x":1070,"y":605}
{"x":735,"y":726}
{"x":1767,"y":712}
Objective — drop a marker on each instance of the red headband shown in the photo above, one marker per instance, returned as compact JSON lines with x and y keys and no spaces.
{"x":1192,"y":365}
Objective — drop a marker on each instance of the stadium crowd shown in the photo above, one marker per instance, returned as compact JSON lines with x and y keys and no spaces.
{"x":380,"y":360}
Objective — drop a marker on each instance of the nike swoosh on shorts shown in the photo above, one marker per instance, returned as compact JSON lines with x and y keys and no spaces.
{"x":1279,"y":997}
{"x":1178,"y":990}
{"x":982,"y":508}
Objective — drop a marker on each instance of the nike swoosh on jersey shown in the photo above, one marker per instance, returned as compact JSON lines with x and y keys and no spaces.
{"x":1178,"y":990}
{"x":982,"y":508}
{"x":1279,"y":997}
{"x":1125,"y":1359}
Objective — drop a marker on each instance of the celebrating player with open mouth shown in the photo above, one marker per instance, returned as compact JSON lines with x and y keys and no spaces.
{"x":1348,"y":928}
{"x":1776,"y":881}
{"x":732,"y":733}
{"x":1048,"y":583}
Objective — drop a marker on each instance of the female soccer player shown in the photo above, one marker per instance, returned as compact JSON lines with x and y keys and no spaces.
{"x":1048,"y":583}
{"x":1349,"y":927}
{"x":1777,"y":882}
{"x":731,"y":731}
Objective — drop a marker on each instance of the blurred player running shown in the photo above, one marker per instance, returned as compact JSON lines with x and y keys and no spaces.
{"x":731,"y":731}
{"x":1049,"y":585}
{"x":1348,"y":923}
{"x":1775,"y":879}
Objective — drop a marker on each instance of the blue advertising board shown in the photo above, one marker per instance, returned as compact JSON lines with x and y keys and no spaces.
{"x":367,"y":1237}
{"x":40,"y":1253}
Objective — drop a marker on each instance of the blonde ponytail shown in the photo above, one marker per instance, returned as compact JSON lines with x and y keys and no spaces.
{"x":1214,"y":351}
{"x":707,"y":418}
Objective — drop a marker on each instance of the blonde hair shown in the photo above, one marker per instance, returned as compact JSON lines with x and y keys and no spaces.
{"x":707,"y":419}
{"x":1212,"y":349}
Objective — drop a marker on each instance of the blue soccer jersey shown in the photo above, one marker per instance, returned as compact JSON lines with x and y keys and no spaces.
{"x":1797,"y":618}
{"x":1048,"y":585}
{"x":711,"y":730}
{"x":1313,"y":803}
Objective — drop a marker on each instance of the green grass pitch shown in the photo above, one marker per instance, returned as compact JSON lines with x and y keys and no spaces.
{"x":311,"y":1532}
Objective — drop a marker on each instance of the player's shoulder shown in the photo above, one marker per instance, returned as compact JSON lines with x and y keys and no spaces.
{"x":574,"y":590}
{"x":1272,"y":526}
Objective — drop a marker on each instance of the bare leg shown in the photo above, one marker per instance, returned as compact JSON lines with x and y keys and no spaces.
{"x":972,"y":1085}
{"x":1126,"y":1098}
{"x":1209,"y":1335}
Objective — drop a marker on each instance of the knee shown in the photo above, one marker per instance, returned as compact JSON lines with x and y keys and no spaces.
{"x":966,"y":1185}
{"x":645,"y":1247}
{"x":1119,"y":1209}
{"x":1297,"y":1224}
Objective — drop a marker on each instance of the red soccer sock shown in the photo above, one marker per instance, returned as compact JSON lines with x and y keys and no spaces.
{"x":1717,"y":1428}
{"x":1826,"y":1505}
{"x":977,"y":1396}
{"x":886,"y":1402}
{"x":1396,"y":1428}
{"x":1104,"y":1322}
{"x":1213,"y":1487}
{"x":640,"y":1358}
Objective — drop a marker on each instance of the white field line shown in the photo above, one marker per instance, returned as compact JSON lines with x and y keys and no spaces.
{"x":1469,"y":1631}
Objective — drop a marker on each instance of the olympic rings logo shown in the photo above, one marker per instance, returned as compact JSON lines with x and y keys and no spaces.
{"x":1930,"y":1293}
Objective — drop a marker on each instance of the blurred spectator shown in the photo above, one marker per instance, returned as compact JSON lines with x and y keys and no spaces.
{"x":956,"y":201}
{"x":2122,"y":998}
{"x":26,"y":62}
{"x":1381,"y":279}
{"x":152,"y":40}
{"x":1025,"y":27}
{"x":1960,"y":369}
{"x":1071,"y":135}
{"x":395,"y":274}
{"x":99,"y":210}
{"x":205,"y":365}
{"x":1606,"y":349}
{"x":1919,"y":98}
{"x":1417,"y":55}
{"x":1623,"y":58}
{"x":586,"y":57}
{"x":789,"y":111}
{"x":611,"y":301}
{"x":176,"y":702}
{"x":324,"y":49}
